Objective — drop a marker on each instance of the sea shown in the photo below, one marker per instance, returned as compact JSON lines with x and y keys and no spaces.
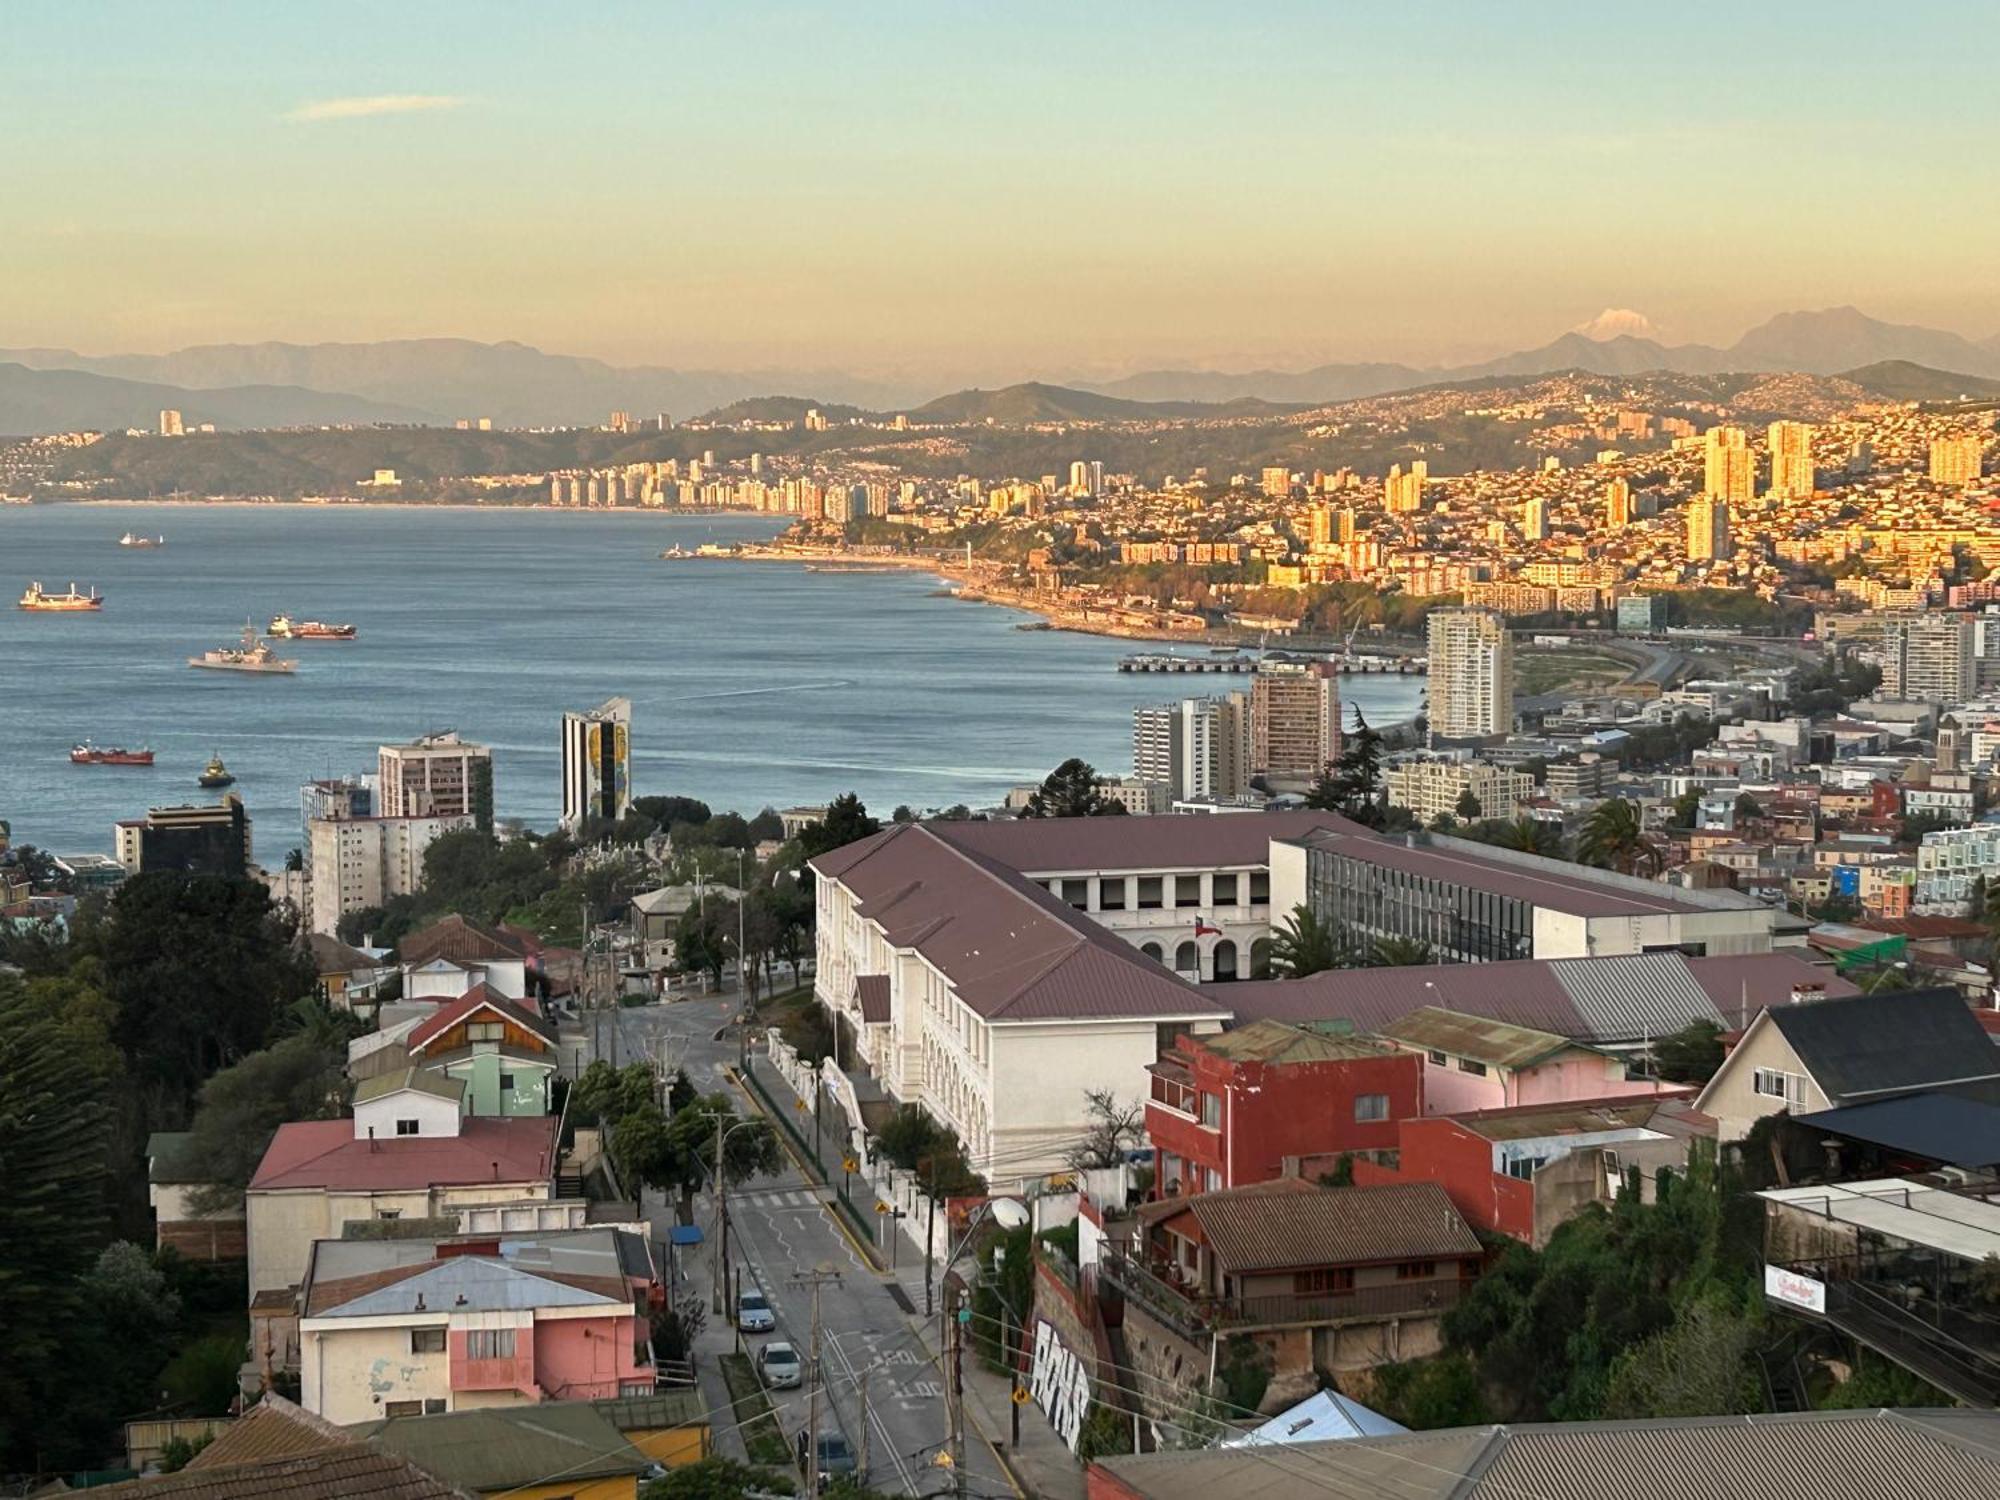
{"x":753,"y":684}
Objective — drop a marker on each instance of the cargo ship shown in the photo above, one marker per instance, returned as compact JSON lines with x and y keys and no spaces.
{"x":133,"y":539}
{"x":36,"y":598}
{"x":309,"y":630}
{"x":88,"y":754}
{"x":215,"y":774}
{"x":252,"y":656}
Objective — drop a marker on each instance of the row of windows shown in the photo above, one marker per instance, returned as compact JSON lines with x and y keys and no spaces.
{"x":1459,"y":922}
{"x":1366,"y":1107}
{"x":1153,"y":893}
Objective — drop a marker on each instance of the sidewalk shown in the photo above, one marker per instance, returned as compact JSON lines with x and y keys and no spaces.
{"x":1043,"y":1466}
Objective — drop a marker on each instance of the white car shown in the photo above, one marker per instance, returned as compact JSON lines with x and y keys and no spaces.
{"x":778,"y":1362}
{"x":753,"y":1313}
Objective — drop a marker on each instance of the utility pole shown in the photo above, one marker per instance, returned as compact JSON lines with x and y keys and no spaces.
{"x":930,"y":1231}
{"x":722,"y":1216}
{"x":742,"y":969}
{"x":866,"y":1371}
{"x":956,"y":1383}
{"x":817,"y":1279}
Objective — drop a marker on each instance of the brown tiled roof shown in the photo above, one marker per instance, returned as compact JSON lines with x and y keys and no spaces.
{"x":1498,"y":1044}
{"x":273,"y":1428}
{"x":1166,"y":841}
{"x":1289,"y":1223}
{"x":353,"y":1473}
{"x":1523,"y":992}
{"x":872,"y":991}
{"x":459,"y":940}
{"x":1011,"y":950}
{"x":332,"y":956}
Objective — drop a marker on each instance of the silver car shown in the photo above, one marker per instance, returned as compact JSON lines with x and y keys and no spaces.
{"x":753,"y":1313}
{"x":779,"y":1364}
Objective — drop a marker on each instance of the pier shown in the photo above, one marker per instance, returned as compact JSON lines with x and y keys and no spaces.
{"x":1346,"y":664}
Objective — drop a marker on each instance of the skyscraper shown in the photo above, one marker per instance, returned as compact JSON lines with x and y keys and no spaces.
{"x":436,"y":775}
{"x":1931,"y":657}
{"x":597,"y":762}
{"x":1708,"y":537}
{"x":1403,"y":492}
{"x":1471,"y":674}
{"x":1955,"y":459}
{"x":1535,"y":520}
{"x":1618,"y":504}
{"x":170,"y":424}
{"x":1277,"y":481}
{"x":1729,"y":469}
{"x":1294,"y":720}
{"x":1791,"y":459}
{"x":1198,"y":747}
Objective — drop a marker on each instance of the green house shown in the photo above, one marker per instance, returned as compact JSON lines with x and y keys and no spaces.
{"x":500,"y":1050}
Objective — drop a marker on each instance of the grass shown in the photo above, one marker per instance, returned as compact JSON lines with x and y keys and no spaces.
{"x":750,"y":1408}
{"x":1566,"y":671}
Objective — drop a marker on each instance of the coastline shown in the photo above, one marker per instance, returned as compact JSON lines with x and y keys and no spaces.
{"x":204,"y":503}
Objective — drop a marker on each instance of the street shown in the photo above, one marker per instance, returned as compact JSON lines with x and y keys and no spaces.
{"x":780,"y":1231}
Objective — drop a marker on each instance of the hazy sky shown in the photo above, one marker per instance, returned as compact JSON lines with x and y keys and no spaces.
{"x":1063,"y":187}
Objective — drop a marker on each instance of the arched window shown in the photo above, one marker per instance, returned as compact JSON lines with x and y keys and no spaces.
{"x":1187,"y":958}
{"x":1225,"y":960}
{"x":1154,"y":951}
{"x":1260,"y":959}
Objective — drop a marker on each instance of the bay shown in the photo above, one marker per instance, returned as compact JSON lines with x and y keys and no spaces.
{"x":753,"y":684}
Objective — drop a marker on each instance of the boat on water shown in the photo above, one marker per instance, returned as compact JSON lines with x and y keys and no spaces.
{"x":289,"y":629}
{"x":133,"y":539}
{"x":215,"y":774}
{"x":39,"y":599}
{"x":252,"y":656}
{"x":87,"y":754}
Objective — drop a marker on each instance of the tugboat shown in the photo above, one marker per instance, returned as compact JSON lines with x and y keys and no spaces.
{"x":88,"y":754}
{"x":252,"y":656}
{"x":37,"y":599}
{"x":215,"y":774}
{"x":133,"y":539}
{"x":309,"y":630}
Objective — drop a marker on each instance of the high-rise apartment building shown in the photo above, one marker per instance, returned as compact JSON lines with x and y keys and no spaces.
{"x":1079,"y":478}
{"x":170,"y":424}
{"x":1198,"y":747}
{"x":1729,"y":468}
{"x":1618,"y":504}
{"x":597,"y":762}
{"x":1277,"y":481}
{"x":1955,"y":459}
{"x":1471,"y":674}
{"x":1535,"y":520}
{"x":1708,"y":538}
{"x":436,"y":775}
{"x":1403,"y":492}
{"x":1932,"y":658}
{"x":1294,"y":719}
{"x":195,"y":839}
{"x":357,"y":863}
{"x":1791,"y":459}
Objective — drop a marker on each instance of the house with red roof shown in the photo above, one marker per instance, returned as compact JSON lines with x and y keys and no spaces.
{"x":409,"y":1152}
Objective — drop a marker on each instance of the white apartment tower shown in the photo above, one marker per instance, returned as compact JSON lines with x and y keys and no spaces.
{"x":597,"y":762}
{"x":1196,"y":748}
{"x":1708,"y":538}
{"x":1729,"y":468}
{"x":1471,"y":674}
{"x":1933,"y":658}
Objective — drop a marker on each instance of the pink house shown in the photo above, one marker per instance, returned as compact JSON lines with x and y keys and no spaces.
{"x":1472,"y":1063}
{"x":406,"y":1327}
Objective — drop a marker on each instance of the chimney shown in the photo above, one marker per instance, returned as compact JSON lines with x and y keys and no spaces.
{"x":420,"y":1302}
{"x":371,"y":1137}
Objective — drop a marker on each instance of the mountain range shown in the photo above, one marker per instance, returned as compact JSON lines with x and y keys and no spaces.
{"x":433,"y":381}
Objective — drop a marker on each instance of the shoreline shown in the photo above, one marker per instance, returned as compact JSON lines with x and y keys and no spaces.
{"x":454,"y":505}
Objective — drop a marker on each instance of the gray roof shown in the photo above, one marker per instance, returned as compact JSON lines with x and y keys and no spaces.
{"x":1957,"y":1126}
{"x":1916,"y":1454}
{"x":601,"y":1251}
{"x":497,"y":1449}
{"x":469,"y":1282}
{"x":1872,"y":1046}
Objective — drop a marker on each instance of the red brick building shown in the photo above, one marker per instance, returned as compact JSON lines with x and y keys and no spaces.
{"x":1226,"y":1110}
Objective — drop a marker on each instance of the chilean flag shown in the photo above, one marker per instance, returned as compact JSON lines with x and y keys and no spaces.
{"x":1202,"y":929}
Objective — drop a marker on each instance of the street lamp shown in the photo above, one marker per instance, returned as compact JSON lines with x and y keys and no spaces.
{"x":1008,"y":1213}
{"x":722,"y":1135}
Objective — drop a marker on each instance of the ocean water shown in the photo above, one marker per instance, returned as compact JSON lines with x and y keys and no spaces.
{"x":752,"y":684}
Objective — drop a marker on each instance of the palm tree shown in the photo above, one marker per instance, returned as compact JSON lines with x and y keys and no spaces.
{"x":1530,"y":836}
{"x":1306,"y":945}
{"x":1399,"y":953}
{"x":1613,"y":838}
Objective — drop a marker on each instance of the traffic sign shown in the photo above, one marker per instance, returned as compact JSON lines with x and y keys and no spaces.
{"x":1022,"y":1396}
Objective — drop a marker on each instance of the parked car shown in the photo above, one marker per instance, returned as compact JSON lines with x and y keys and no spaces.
{"x":753,"y":1313}
{"x":836,"y":1458}
{"x":778,"y":1362}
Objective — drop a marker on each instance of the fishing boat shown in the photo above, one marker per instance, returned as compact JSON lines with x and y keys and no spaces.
{"x":252,"y":656}
{"x":309,"y":630}
{"x":87,"y":754}
{"x":215,"y":774}
{"x":40,"y":600}
{"x":133,"y":539}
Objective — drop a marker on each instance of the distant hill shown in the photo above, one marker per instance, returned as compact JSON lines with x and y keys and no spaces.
{"x":1316,"y":387}
{"x":1899,"y":380}
{"x":1016,"y":405}
{"x":38,"y":401}
{"x":1842,"y":338}
{"x":780,"y":409}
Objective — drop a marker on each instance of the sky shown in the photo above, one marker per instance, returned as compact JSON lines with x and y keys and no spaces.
{"x":1018,"y":187}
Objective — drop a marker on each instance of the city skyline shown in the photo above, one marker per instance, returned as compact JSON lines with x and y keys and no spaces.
{"x":924,"y":191}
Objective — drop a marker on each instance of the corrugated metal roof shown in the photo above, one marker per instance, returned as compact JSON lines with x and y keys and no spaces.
{"x":503,"y":1448}
{"x":1630,"y":996}
{"x":411,"y":1080}
{"x":1498,"y":1044}
{"x":465,"y":1283}
{"x":1275,"y":1042}
{"x":1289,"y":1223}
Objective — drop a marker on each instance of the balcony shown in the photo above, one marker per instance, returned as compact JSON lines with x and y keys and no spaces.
{"x":1173,"y":1089}
{"x":1196,"y":1315}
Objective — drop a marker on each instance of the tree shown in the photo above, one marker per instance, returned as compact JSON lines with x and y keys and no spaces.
{"x":1305,"y":945}
{"x":1399,"y":953}
{"x":668,"y":813}
{"x":902,"y":814}
{"x":197,"y":967}
{"x":1110,"y":1131}
{"x":1686,"y":807}
{"x":1747,"y":807}
{"x":767,"y":827}
{"x":1699,"y":1367}
{"x":705,"y":939}
{"x":1355,"y":787}
{"x":1467,"y":808}
{"x":605,"y":1094}
{"x":54,"y":1135}
{"x":295,"y":859}
{"x":241,"y":1108}
{"x":1690,"y":1055}
{"x":1072,"y":790}
{"x":846,"y":820}
{"x":1614,"y":838}
{"x":717,"y":1479}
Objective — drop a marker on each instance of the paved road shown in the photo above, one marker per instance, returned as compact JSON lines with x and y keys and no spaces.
{"x":782,"y":1230}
